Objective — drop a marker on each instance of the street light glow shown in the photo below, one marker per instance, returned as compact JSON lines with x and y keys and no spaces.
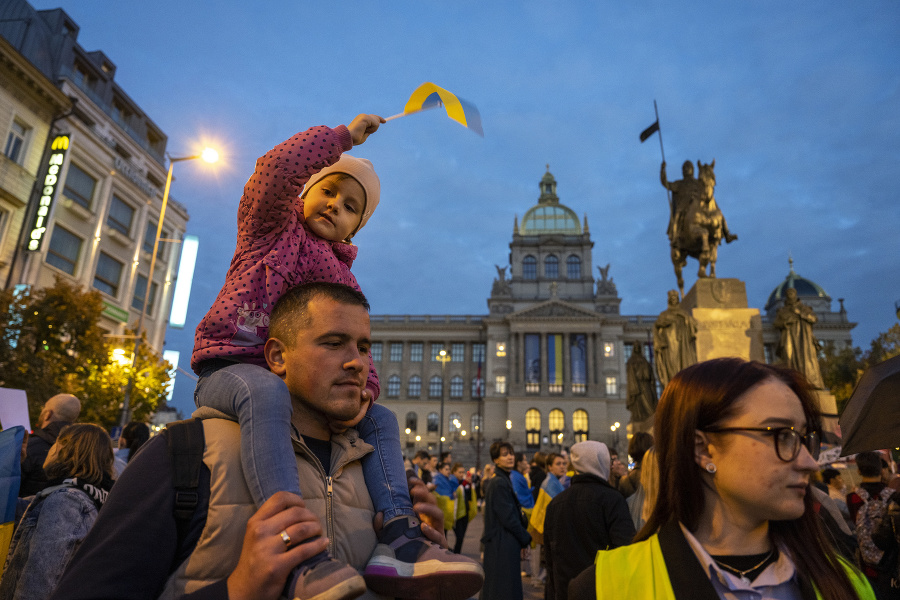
{"x":508,"y":424}
{"x":408,"y":431}
{"x":209,"y":155}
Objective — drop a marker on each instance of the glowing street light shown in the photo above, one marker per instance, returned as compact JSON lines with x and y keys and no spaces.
{"x":444,"y":357}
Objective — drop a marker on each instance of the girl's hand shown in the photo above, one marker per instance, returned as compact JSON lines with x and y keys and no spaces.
{"x":363,"y":126}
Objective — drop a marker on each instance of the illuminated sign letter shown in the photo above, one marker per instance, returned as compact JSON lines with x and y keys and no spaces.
{"x":58,"y":148}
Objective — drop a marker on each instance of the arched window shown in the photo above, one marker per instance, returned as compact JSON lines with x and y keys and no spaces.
{"x":477,"y":423}
{"x":580,"y":425}
{"x":557,"y":421}
{"x":477,"y":387}
{"x":434,"y":421}
{"x":533,"y":428}
{"x":456,"y":387}
{"x":393,"y":386}
{"x":573,"y":267}
{"x":415,"y":386}
{"x":435,"y":387}
{"x":412,"y":421}
{"x":529,"y":267}
{"x":453,"y":423}
{"x":551,"y":267}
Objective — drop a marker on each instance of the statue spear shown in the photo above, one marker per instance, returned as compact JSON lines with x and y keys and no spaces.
{"x":655,"y":128}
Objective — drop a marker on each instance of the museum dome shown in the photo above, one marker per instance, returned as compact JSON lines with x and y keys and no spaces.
{"x":806,"y":288}
{"x":549,"y":216}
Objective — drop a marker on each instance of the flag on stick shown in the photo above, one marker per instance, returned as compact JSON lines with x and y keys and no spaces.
{"x":649,"y":131}
{"x":428,"y":96}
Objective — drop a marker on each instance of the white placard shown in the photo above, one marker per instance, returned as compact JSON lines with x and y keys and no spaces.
{"x":14,"y":409}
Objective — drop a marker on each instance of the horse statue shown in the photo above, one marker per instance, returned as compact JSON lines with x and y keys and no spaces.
{"x":696,"y":226}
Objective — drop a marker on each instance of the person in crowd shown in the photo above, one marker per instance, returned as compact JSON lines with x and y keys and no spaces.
{"x":589,"y":516}
{"x":736,"y":444}
{"x":445,"y":458}
{"x":59,"y":411}
{"x":837,"y":490}
{"x":487,"y":476}
{"x":518,"y":477}
{"x":79,"y":471}
{"x":640,"y":503}
{"x":617,"y":469}
{"x":445,"y":485}
{"x":318,"y":344}
{"x":868,"y":505}
{"x":420,"y":461}
{"x":465,"y":505}
{"x":537,"y":472}
{"x":134,"y":435}
{"x":550,"y":488}
{"x":505,"y":537}
{"x":639,"y":443}
{"x":475,"y":480}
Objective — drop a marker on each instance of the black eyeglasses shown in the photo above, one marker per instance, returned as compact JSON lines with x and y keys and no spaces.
{"x":787,"y":440}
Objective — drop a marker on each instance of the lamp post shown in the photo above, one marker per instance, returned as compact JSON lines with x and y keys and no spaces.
{"x":444,"y":358}
{"x":210,"y":156}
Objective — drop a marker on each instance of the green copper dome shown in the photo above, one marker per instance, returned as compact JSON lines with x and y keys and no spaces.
{"x":549,"y":216}
{"x":805,"y":288}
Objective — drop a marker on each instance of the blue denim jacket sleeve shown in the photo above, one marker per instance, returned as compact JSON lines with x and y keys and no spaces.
{"x":64,"y":520}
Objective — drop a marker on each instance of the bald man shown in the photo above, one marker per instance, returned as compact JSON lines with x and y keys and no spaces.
{"x":58,"y":411}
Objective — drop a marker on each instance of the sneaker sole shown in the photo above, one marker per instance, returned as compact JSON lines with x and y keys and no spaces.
{"x":435,"y":581}
{"x":351,"y":588}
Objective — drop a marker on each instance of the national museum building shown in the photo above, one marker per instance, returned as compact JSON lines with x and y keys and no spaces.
{"x":546,"y":367}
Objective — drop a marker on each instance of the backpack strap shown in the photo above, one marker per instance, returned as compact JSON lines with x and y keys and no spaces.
{"x":186,"y":444}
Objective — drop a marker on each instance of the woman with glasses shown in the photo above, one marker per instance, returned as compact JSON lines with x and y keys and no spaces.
{"x":736,"y":444}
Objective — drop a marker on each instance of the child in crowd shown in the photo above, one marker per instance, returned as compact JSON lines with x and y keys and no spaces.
{"x":303,"y":204}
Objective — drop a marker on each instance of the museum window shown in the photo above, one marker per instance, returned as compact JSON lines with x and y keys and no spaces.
{"x":433,"y":421}
{"x":436,"y":351}
{"x":557,"y":424}
{"x":529,"y":267}
{"x":435,"y":387}
{"x":15,"y":141}
{"x":393,"y":387}
{"x":555,"y":363}
{"x":477,"y":387}
{"x":456,"y":387}
{"x":578,"y":362}
{"x":457,"y":352}
{"x":580,"y":425}
{"x":532,"y":363}
{"x":415,"y":387}
{"x":609,"y":349}
{"x":416,"y":350}
{"x":376,"y":350}
{"x":108,"y":274}
{"x":79,"y":187}
{"x":573,"y":267}
{"x":140,"y":290}
{"x":477,"y":422}
{"x":412,"y":421}
{"x":120,"y":216}
{"x":453,"y":423}
{"x":500,"y":384}
{"x":65,"y":247}
{"x":396,"y":351}
{"x":612,"y":386}
{"x":478,"y":352}
{"x":533,"y":428}
{"x":551,"y":267}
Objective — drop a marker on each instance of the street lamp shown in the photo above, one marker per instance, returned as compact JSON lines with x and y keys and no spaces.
{"x":615,"y":429}
{"x":209,"y":155}
{"x":444,"y":358}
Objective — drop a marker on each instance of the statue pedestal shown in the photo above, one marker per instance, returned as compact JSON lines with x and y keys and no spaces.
{"x":726,"y":326}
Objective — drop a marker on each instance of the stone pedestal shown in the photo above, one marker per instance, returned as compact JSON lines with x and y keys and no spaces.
{"x":726,"y":326}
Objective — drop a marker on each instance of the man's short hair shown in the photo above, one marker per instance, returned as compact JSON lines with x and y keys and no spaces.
{"x":539,"y":459}
{"x":290,"y":314}
{"x":869,"y":464}
{"x":423,"y":455}
{"x":829,"y":474}
{"x":639,"y":444}
{"x":551,"y":458}
{"x":497,"y":448}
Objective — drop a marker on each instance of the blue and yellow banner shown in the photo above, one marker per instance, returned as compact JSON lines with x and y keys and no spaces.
{"x":549,"y":489}
{"x":555,"y":359}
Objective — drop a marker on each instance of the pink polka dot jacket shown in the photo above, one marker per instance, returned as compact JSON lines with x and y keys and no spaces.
{"x":275,"y":250}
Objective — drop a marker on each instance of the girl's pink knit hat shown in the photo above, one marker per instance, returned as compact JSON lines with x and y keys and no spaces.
{"x":362,"y":171}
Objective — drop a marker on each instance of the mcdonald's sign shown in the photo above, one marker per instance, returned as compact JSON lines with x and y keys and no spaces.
{"x":55,"y":161}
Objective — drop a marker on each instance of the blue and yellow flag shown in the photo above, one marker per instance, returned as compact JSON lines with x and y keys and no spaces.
{"x":10,"y":477}
{"x":549,"y":489}
{"x":429,"y":95}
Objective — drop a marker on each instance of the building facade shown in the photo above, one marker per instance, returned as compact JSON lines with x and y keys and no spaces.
{"x":546,"y":366}
{"x":82,"y":175}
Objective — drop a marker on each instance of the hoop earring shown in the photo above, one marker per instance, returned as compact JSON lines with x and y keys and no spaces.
{"x":711,"y":468}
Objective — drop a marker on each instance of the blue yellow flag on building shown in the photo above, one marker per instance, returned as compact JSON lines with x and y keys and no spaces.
{"x":428,"y":96}
{"x":549,"y":489}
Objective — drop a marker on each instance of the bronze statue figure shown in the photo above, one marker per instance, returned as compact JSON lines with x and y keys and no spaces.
{"x":641,"y":386}
{"x":674,"y":340}
{"x":696,"y":225}
{"x":797,"y":347}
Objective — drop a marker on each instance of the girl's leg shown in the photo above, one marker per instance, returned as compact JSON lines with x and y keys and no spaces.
{"x":259,"y":400}
{"x":459,"y":530}
{"x":383,"y":469}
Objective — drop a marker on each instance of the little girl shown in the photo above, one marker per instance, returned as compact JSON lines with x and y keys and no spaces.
{"x":285,"y":240}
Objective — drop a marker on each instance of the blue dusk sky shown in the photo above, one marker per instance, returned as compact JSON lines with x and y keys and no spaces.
{"x":798,"y":103}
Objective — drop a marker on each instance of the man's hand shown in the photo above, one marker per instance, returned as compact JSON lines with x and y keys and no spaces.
{"x":266,"y":560}
{"x":425,"y":505}
{"x":363,"y":126}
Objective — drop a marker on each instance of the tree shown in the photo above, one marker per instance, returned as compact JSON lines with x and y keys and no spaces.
{"x":841,"y":369}
{"x":885,"y":346}
{"x":52,"y":343}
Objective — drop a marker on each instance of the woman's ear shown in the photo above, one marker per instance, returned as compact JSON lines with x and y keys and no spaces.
{"x":274,"y":352}
{"x":701,"y":449}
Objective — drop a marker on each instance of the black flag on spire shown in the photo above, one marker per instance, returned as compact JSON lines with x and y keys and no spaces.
{"x":649,"y":131}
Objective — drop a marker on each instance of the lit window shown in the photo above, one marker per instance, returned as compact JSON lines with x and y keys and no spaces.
{"x":108,"y":274}
{"x":500,"y":384}
{"x":15,"y":141}
{"x":415,"y":387}
{"x":501,"y":349}
{"x":551,"y":267}
{"x":556,"y":422}
{"x":79,"y":187}
{"x":64,"y":250}
{"x":393,"y":388}
{"x":434,"y":421}
{"x":612,"y":386}
{"x":609,"y":349}
{"x":412,"y":421}
{"x":456,"y":387}
{"x":435,"y":387}
{"x":140,"y":290}
{"x":529,"y":267}
{"x":396,"y":352}
{"x":376,"y":350}
{"x":120,"y":216}
{"x":478,"y":353}
{"x":457,"y":352}
{"x":573,"y":267}
{"x":533,"y":428}
{"x":580,"y":425}
{"x":415,"y":351}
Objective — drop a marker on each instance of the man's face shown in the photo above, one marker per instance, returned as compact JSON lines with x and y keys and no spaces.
{"x":326,"y":367}
{"x":432,"y":463}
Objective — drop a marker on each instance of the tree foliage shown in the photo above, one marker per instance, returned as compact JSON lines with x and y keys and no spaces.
{"x":51,"y":343}
{"x":842,"y":367}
